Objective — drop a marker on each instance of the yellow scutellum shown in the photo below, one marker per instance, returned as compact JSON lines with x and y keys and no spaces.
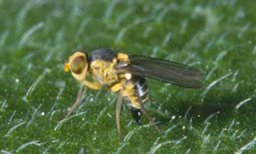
{"x":123,"y":57}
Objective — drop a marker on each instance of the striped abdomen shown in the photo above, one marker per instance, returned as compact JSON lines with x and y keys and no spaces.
{"x":141,"y":95}
{"x":141,"y":89}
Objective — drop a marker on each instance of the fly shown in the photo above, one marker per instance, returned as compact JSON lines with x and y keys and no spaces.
{"x":126,"y":74}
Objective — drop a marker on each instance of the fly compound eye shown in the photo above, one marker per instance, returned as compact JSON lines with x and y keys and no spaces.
{"x":78,"y":65}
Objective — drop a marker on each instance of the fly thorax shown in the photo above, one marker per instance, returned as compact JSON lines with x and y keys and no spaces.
{"x":104,"y":72}
{"x":109,"y":74}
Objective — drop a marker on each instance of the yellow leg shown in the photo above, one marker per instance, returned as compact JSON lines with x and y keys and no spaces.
{"x":116,"y":87}
{"x":92,"y":85}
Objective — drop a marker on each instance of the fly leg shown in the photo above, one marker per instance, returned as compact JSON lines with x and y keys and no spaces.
{"x":115,"y":88}
{"x":150,"y":119}
{"x":118,"y":110}
{"x":92,"y":85}
{"x":81,"y":92}
{"x":79,"y":98}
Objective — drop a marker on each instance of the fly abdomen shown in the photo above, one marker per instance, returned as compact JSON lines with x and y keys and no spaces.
{"x":141,"y":95}
{"x":141,"y":89}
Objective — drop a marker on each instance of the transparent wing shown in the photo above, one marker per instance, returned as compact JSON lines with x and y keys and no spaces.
{"x":167,"y":71}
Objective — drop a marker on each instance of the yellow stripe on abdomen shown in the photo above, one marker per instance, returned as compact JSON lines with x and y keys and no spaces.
{"x":136,"y":91}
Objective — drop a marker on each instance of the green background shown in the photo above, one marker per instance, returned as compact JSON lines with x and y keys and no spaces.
{"x":217,"y":36}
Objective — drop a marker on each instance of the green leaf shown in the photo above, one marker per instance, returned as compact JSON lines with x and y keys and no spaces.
{"x":218,"y":37}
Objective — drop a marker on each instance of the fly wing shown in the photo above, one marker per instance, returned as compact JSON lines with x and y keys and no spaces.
{"x":167,"y":71}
